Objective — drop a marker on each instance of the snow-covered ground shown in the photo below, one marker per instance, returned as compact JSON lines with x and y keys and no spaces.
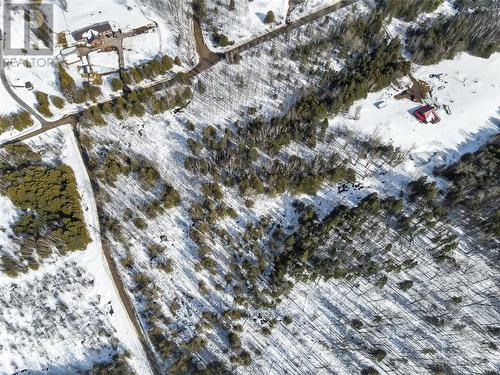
{"x":141,"y":48}
{"x":269,"y":84}
{"x":305,"y":7}
{"x":470,"y":86}
{"x":9,"y":215}
{"x":9,"y":106}
{"x":320,"y":339}
{"x":71,"y":15}
{"x":66,"y":315}
{"x":104,"y":62}
{"x":244,"y":22}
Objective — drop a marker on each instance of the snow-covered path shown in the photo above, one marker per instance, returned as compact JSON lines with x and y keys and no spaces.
{"x":93,"y":259}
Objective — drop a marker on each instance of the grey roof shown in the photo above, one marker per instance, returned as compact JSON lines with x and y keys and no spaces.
{"x":102,"y":27}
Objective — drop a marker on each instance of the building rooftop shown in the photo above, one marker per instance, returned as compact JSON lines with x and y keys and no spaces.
{"x":95,"y":29}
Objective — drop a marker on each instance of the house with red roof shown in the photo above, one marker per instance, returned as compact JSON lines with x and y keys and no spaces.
{"x":427,"y":114}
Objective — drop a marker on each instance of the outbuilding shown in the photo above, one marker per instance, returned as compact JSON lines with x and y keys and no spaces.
{"x":426,"y":114}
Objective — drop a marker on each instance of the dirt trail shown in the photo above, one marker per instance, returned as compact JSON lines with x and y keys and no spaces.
{"x":111,"y":263}
{"x":207,"y":57}
{"x":289,"y":26}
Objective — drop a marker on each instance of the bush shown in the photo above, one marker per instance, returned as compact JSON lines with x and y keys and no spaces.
{"x":369,"y":371}
{"x":44,"y":110}
{"x":66,"y":82}
{"x":19,"y":121}
{"x":379,"y":354}
{"x":167,"y":63}
{"x":171,"y":197}
{"x":234,"y":340}
{"x":140,"y":223}
{"x":42,"y":98}
{"x":57,"y":101}
{"x":117,"y":84}
{"x":405,"y":285}
{"x":270,"y":18}
{"x":221,"y":39}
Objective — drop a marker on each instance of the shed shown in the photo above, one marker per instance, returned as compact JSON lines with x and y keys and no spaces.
{"x":426,"y":114}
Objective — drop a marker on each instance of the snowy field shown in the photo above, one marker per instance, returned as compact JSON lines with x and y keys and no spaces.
{"x":104,"y":62}
{"x":244,"y":22}
{"x":469,"y":85}
{"x":141,"y":48}
{"x":66,"y":315}
{"x":71,"y":15}
{"x":8,"y":105}
{"x":304,"y":7}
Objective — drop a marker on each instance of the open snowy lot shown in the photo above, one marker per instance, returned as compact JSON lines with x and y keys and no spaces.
{"x":104,"y":62}
{"x":244,"y":22}
{"x":301,"y":8}
{"x":141,"y":48}
{"x":469,"y":85}
{"x":72,"y":15}
{"x":9,"y":105}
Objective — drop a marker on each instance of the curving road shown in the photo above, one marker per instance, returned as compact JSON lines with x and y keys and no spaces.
{"x":207,"y":59}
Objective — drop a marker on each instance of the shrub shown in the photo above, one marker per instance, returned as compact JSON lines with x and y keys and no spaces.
{"x":57,"y":101}
{"x":234,"y":340}
{"x":117,"y":84}
{"x":166,"y":63}
{"x":270,"y":18}
{"x":140,"y":223}
{"x":379,"y":354}
{"x":221,"y":39}
{"x":44,"y":110}
{"x":171,"y":197}
{"x":66,"y":82}
{"x":405,"y":285}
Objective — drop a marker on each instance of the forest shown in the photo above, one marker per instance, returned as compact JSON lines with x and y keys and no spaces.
{"x":51,"y":215}
{"x":476,"y":32}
